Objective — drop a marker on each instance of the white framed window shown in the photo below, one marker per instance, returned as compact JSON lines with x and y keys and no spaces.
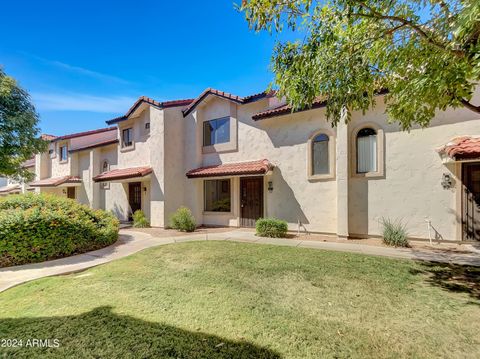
{"x":63,"y":153}
{"x":217,"y":195}
{"x":367,"y":151}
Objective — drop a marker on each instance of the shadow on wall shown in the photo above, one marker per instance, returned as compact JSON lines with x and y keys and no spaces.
{"x":282,"y":202}
{"x":358,"y":207}
{"x":452,"y":277}
{"x":101,"y":333}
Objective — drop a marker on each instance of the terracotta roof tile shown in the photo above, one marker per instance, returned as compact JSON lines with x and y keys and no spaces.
{"x":124,"y":173}
{"x":94,"y":140}
{"x":232,"y":169}
{"x":464,"y":147}
{"x":12,"y":188}
{"x":228,"y":96}
{"x":145,"y":99}
{"x":82,"y":134}
{"x":47,"y":137}
{"x":56,"y":181}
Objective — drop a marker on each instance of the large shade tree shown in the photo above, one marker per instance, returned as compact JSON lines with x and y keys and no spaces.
{"x":19,"y":132}
{"x":426,"y":53}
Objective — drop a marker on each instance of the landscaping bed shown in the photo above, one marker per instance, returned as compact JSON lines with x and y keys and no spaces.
{"x":40,"y":227}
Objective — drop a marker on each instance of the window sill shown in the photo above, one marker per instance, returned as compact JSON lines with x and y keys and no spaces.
{"x":210,"y":213}
{"x":368,"y":175}
{"x":325,"y":177}
{"x":127,"y":149}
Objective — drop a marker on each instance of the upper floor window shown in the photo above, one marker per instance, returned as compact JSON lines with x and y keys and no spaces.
{"x":105,"y":166}
{"x":367,"y":152}
{"x":63,"y":153}
{"x":127,"y":137}
{"x":320,"y":155}
{"x":216,"y":131}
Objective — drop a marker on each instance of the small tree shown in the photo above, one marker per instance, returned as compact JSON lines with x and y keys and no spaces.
{"x":426,"y":53}
{"x":19,"y":132}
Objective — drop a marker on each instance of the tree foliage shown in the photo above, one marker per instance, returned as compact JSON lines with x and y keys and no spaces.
{"x":19,"y":132}
{"x":426,"y":53}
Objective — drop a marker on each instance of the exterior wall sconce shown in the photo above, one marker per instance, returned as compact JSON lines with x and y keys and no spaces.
{"x":447,"y":181}
{"x":64,"y":191}
{"x":144,"y":189}
{"x":270,"y":186}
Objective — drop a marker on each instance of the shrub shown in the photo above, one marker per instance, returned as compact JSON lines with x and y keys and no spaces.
{"x":183,"y":220}
{"x":271,"y":227}
{"x":39,"y":227}
{"x":394,"y":233}
{"x":139,"y":219}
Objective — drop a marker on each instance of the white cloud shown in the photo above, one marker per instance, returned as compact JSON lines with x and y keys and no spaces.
{"x":81,"y":102}
{"x":78,"y":70}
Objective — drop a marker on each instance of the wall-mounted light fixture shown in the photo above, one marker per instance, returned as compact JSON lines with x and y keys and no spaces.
{"x":64,"y":191}
{"x":447,"y":181}
{"x":144,"y":189}
{"x":270,"y":186}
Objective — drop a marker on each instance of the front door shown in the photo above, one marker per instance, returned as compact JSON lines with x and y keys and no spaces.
{"x":71,"y":192}
{"x":251,"y":200}
{"x":135,"y":196}
{"x":471,"y":201}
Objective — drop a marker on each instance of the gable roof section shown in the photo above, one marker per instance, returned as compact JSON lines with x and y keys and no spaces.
{"x":227,"y":96}
{"x":82,"y":134}
{"x":148,"y":100}
{"x":94,"y":140}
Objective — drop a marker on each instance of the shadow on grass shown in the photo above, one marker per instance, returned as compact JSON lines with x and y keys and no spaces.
{"x":452,"y":277}
{"x":101,"y":333}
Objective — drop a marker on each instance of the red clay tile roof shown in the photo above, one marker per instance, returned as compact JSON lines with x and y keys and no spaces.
{"x":142,"y":99}
{"x":29,"y":163}
{"x":464,"y":147}
{"x":12,"y":188}
{"x":284,"y":109}
{"x":96,"y":139}
{"x":228,"y":96}
{"x":82,"y":134}
{"x":46,"y":137}
{"x":56,"y":181}
{"x":124,"y":173}
{"x":232,"y":169}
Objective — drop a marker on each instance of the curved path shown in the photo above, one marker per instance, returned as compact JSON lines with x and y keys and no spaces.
{"x":131,"y":242}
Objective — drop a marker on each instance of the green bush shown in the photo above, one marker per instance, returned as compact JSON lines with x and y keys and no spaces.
{"x":394,"y":233}
{"x":183,"y":220}
{"x":271,"y":227}
{"x":139,"y":219}
{"x":39,"y":227}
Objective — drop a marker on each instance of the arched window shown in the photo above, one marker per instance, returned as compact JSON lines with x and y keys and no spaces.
{"x":105,"y":166}
{"x":367,"y":150}
{"x":320,"y":155}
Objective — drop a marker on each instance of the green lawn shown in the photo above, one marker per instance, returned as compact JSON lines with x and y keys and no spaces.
{"x":229,"y":300}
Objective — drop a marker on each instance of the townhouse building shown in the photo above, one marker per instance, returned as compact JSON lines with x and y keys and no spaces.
{"x":234,"y":159}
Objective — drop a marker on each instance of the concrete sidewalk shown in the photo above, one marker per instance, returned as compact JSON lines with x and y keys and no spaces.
{"x":131,"y":242}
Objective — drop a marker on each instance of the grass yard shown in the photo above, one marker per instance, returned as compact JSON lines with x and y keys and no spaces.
{"x":234,"y":300}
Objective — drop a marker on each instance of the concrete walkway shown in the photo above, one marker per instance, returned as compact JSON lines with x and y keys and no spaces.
{"x":131,"y":242}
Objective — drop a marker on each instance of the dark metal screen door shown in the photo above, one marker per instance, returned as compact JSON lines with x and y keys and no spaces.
{"x":471,"y":201}
{"x":135,"y":196}
{"x":251,"y":200}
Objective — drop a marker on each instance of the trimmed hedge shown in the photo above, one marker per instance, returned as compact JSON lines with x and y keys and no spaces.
{"x":39,"y":227}
{"x":271,"y":227}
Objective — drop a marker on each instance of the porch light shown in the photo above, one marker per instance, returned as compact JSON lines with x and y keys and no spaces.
{"x":144,"y":189}
{"x":446,"y":181}
{"x":270,"y":186}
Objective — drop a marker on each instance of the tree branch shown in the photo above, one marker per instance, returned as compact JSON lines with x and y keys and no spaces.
{"x":417,"y":28}
{"x":470,"y":105}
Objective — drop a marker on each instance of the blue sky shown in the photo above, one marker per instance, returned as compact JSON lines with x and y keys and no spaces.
{"x":85,"y":62}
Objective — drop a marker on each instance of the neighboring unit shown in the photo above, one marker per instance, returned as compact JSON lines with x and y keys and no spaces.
{"x":234,"y":159}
